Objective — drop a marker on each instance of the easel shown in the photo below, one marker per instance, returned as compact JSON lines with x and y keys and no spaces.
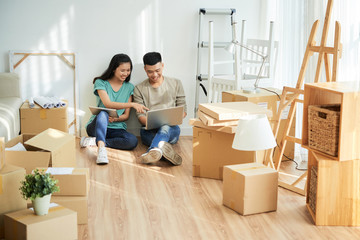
{"x":61,"y":55}
{"x":291,"y":96}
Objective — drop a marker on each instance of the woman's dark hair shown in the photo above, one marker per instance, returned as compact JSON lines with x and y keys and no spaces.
{"x":115,"y":63}
{"x":152,"y":58}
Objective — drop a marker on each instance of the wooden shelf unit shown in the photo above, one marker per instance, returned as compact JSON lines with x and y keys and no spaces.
{"x":337,"y":191}
{"x":347,"y":94}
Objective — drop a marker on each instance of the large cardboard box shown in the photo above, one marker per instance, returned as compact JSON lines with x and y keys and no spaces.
{"x":270,"y":101}
{"x":2,"y":152}
{"x":212,"y":150}
{"x":72,"y":181}
{"x":10,"y":196}
{"x":59,"y":224}
{"x":77,"y":204}
{"x":37,"y":119}
{"x":51,"y":145}
{"x":30,"y":159}
{"x":250,"y":188}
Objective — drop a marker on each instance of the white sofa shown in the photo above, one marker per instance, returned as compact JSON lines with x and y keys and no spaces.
{"x":10,"y":103}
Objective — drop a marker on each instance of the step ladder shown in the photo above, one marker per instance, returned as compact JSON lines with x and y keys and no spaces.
{"x":200,"y":76}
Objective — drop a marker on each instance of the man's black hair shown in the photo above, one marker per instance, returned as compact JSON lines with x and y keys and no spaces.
{"x":152,"y":58}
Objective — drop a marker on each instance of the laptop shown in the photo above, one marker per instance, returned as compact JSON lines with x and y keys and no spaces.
{"x":167,"y":116}
{"x":110,"y":111}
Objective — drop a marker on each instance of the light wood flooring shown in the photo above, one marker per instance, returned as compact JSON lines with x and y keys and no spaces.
{"x":129,"y":200}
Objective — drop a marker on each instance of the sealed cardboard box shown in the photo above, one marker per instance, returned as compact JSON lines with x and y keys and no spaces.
{"x":250,"y":188}
{"x":269,"y":100}
{"x":77,"y":204}
{"x":37,"y":119}
{"x":29,"y":159}
{"x":72,"y":181}
{"x":10,"y":196}
{"x":2,"y":152}
{"x":212,"y":149}
{"x":60,"y":223}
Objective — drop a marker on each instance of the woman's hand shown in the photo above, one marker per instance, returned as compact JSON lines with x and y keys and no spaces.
{"x":111,"y":119}
{"x":139,"y":108}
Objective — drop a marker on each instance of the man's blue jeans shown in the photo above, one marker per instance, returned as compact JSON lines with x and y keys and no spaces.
{"x":165,"y":133}
{"x":113,"y":138}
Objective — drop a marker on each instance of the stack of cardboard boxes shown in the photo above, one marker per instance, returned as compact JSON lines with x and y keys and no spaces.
{"x":213,"y":134}
{"x":74,"y":186}
{"x":248,"y":187}
{"x":10,"y":197}
{"x":45,"y":147}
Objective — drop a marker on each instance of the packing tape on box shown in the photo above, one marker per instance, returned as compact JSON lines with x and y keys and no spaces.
{"x":43,"y":114}
{"x":234,"y":171}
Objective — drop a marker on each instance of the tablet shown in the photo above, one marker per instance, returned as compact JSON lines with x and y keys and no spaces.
{"x":110,"y":111}
{"x":167,"y":116}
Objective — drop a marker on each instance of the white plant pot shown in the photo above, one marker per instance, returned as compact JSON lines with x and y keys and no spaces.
{"x":41,"y":205}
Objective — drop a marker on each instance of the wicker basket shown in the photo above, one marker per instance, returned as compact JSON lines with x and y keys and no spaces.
{"x":313,"y":189}
{"x":323,"y":125}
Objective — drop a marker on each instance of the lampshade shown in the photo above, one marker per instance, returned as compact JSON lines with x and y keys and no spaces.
{"x":253,"y":133}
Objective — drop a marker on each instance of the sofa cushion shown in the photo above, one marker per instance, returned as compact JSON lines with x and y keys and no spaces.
{"x":9,"y":117}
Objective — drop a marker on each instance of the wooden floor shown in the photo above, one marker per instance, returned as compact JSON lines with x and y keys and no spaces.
{"x":129,"y":200}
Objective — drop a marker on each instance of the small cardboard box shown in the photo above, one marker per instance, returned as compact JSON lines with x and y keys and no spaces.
{"x":77,"y":204}
{"x":72,"y":181}
{"x":60,"y":223}
{"x":250,"y":188}
{"x":30,"y":159}
{"x":37,"y":119}
{"x":59,"y":145}
{"x":2,"y":152}
{"x":212,"y":150}
{"x":10,"y":196}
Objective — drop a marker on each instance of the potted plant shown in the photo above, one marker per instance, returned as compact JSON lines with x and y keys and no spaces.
{"x":38,"y":187}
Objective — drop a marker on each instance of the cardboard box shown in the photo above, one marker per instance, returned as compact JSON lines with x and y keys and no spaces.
{"x":225,"y":129}
{"x":212,"y":150}
{"x":10,"y":196}
{"x":72,"y":181}
{"x":77,"y":204}
{"x":270,"y":101}
{"x":30,"y":159}
{"x":60,"y":223}
{"x":2,"y":152}
{"x":232,"y":110}
{"x":37,"y":119}
{"x":250,"y":188}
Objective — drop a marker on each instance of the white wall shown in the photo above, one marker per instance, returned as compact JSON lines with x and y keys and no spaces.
{"x":96,"y":30}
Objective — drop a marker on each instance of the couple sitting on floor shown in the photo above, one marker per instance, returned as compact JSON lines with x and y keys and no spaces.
{"x":113,"y":90}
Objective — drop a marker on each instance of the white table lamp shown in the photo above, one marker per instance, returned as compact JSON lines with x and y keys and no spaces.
{"x":231,"y":47}
{"x":254,"y":133}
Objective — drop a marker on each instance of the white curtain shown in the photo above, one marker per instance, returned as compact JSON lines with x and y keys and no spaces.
{"x":293,"y":23}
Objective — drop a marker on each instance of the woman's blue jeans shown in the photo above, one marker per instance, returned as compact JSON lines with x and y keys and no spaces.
{"x":165,"y":133}
{"x":113,"y":138}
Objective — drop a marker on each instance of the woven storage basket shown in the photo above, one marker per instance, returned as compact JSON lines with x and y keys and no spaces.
{"x":323,"y":125}
{"x":313,"y":189}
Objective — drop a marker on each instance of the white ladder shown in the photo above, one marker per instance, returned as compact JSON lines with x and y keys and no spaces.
{"x":205,"y":44}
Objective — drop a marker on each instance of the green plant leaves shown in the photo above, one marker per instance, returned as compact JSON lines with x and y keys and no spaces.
{"x":38,"y":184}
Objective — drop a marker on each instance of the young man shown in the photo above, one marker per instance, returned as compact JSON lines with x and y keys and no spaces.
{"x":158,"y":92}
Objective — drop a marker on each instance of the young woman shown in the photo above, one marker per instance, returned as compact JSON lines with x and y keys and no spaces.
{"x":112,"y":90}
